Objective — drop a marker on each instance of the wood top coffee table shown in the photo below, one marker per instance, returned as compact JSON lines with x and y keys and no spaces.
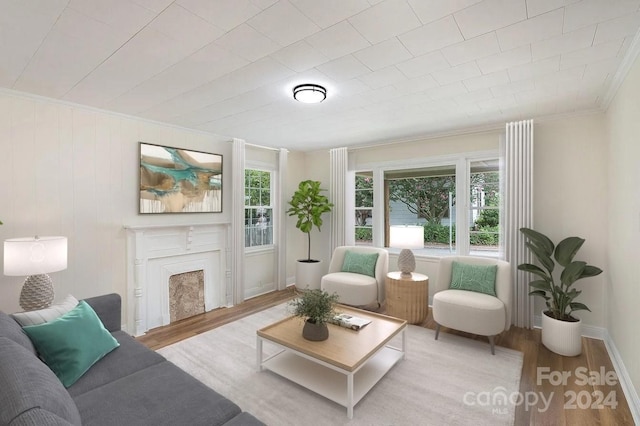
{"x":342,"y":368}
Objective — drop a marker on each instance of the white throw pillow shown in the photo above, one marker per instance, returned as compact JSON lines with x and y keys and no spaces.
{"x":47,"y":314}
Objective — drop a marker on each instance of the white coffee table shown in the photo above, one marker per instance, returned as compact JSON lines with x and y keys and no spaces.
{"x":342,"y":368}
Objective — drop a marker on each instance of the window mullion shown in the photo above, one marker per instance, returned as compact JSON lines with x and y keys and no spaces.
{"x":462,"y":206}
{"x":378,"y":207}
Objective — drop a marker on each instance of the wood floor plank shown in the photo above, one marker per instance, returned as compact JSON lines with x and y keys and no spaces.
{"x":593,"y":358}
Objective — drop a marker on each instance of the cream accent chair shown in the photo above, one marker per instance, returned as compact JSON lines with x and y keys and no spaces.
{"x":356,"y":289}
{"x":469,"y":311}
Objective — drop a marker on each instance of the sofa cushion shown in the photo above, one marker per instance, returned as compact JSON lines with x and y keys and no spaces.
{"x":126,"y":359}
{"x":41,"y":316}
{"x":354,"y":289}
{"x":360,"y":263}
{"x":478,"y":278}
{"x":40,"y":417}
{"x":109,"y":310}
{"x":244,"y":419}
{"x":72,"y":343}
{"x":161,"y":394}
{"x":27,"y":384}
{"x":10,"y":329}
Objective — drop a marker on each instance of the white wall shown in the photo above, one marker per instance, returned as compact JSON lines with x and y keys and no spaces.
{"x":623,"y":275}
{"x":73,"y":171}
{"x":296,"y":240}
{"x":570,"y":189}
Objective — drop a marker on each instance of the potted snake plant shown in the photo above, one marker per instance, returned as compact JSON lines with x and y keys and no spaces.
{"x":561,"y":330}
{"x":308,"y":205}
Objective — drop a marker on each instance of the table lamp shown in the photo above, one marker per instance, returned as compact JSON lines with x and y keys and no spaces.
{"x":35,"y":257}
{"x":406,"y":237}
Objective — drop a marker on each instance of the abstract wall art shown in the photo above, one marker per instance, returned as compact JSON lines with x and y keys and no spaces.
{"x":175,"y":180}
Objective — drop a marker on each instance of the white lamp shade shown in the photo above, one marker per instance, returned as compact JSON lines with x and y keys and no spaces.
{"x":406,"y":236}
{"x":33,"y":256}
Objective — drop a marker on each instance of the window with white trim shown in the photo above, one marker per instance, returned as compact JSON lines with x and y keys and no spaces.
{"x":457,"y":199}
{"x":484,"y":207}
{"x":364,"y":208}
{"x":424,"y":196}
{"x":258,"y":208}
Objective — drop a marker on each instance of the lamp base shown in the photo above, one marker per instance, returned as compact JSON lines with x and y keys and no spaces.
{"x":37,"y":292}
{"x":406,"y":263}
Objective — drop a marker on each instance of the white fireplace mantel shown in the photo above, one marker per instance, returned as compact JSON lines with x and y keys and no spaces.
{"x":155,"y":252}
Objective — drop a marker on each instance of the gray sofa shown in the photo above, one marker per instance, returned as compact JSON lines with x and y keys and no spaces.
{"x":131,"y":385}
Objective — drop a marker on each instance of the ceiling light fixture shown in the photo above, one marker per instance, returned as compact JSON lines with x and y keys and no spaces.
{"x":309,"y":93}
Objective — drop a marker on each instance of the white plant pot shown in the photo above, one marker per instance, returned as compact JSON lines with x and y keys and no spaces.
{"x":308,"y":275}
{"x":562,"y":337}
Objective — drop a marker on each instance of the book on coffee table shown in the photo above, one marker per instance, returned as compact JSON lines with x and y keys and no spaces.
{"x":349,"y":321}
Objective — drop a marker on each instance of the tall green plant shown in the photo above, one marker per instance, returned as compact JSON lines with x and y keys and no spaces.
{"x":308,"y":204}
{"x":559,"y":296}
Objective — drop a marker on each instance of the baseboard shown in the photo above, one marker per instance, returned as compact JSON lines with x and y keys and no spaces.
{"x":624,"y":379}
{"x":590,"y":331}
{"x":623,"y":376}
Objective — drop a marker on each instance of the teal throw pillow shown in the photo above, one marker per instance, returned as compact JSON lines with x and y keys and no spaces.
{"x":360,"y":263}
{"x":72,"y":343}
{"x":478,"y":278}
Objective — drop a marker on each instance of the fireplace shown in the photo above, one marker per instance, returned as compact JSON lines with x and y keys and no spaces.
{"x":186,"y":295}
{"x":155,"y":254}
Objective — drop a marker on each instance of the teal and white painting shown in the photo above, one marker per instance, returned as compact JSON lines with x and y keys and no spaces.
{"x":174,"y":180}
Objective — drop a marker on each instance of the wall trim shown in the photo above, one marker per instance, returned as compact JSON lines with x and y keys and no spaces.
{"x":623,"y":376}
{"x":590,"y":331}
{"x":27,"y":95}
{"x":621,"y":73}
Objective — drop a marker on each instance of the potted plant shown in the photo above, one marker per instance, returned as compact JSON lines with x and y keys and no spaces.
{"x":561,"y":331}
{"x":308,"y":204}
{"x":317,"y":307}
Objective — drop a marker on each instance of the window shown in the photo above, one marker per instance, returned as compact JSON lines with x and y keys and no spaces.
{"x":364,"y":208}
{"x":456,"y":200}
{"x":427,"y":197}
{"x":258,"y":210}
{"x":484,"y":211}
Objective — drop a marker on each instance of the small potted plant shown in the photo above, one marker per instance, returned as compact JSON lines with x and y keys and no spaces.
{"x":561,"y":331}
{"x":317,"y":308}
{"x":308,"y":204}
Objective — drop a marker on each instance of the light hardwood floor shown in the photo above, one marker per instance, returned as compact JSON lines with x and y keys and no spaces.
{"x":563,"y":409}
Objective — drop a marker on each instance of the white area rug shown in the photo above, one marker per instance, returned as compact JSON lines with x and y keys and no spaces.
{"x":451,"y":381}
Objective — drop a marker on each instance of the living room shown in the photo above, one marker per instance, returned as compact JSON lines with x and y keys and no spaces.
{"x":72,"y":161}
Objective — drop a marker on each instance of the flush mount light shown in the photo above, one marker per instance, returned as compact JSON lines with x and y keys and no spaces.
{"x":309,"y":93}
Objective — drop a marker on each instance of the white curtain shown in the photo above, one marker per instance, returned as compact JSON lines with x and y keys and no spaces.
{"x":237,"y":223}
{"x":338,"y":163}
{"x":518,"y":207}
{"x":280,"y":201}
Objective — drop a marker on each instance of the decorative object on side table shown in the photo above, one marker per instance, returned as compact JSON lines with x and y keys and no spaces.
{"x":35,"y":257}
{"x":561,"y":331}
{"x":406,"y":237}
{"x":308,"y":204}
{"x":407,"y":298}
{"x":317,"y":306}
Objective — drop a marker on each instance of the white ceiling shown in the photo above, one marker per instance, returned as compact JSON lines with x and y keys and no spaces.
{"x":394,"y":69}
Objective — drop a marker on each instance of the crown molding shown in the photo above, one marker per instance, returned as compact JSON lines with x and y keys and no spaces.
{"x":618,"y":78}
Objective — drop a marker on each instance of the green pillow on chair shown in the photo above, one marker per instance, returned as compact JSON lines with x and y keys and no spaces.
{"x":478,"y":278}
{"x":72,"y":343}
{"x":360,"y":263}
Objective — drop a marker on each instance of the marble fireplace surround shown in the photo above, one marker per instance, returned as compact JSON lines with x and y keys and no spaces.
{"x":156,"y":252}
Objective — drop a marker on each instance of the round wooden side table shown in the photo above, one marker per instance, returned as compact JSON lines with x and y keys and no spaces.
{"x":407,"y":298}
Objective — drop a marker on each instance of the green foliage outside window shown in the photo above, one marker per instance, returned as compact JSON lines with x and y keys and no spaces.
{"x":426,"y":197}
